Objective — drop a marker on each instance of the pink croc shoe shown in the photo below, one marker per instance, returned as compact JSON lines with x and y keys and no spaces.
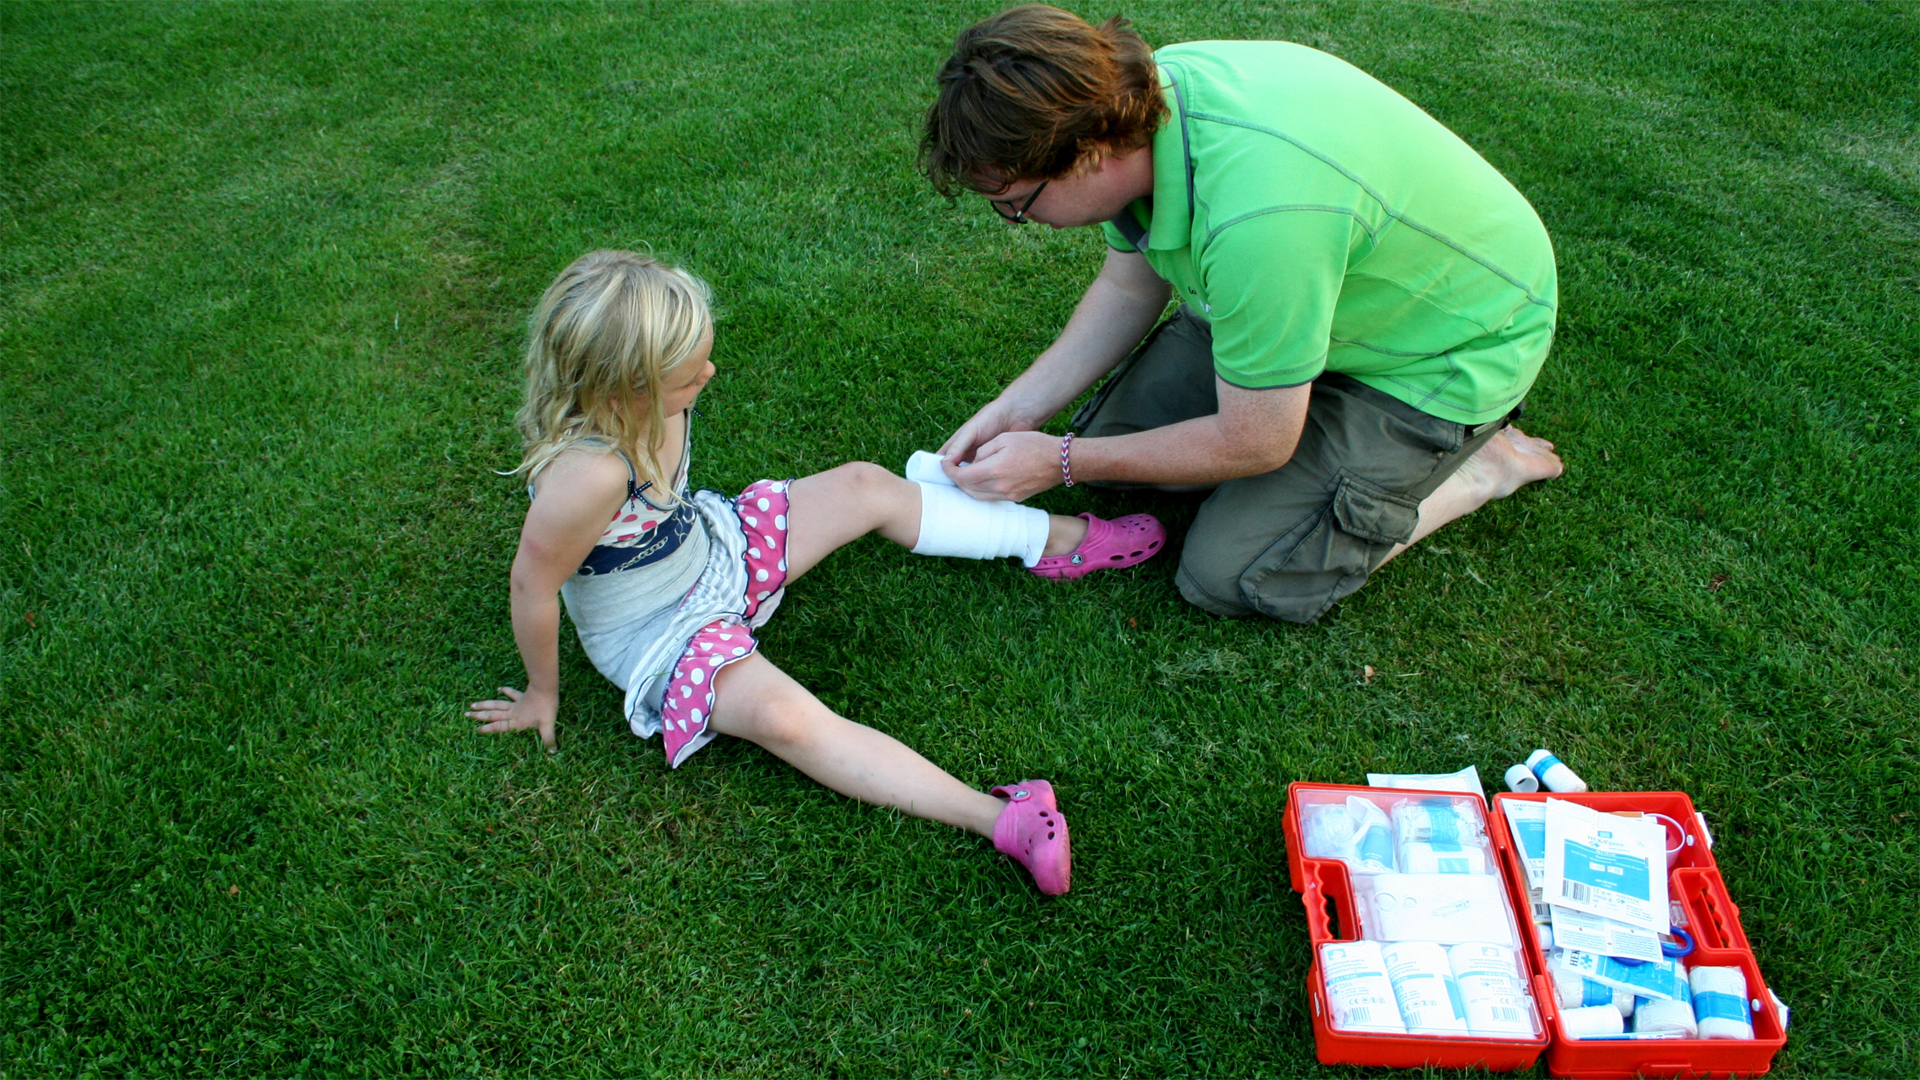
{"x":1032,"y":833}
{"x":1109,"y":545}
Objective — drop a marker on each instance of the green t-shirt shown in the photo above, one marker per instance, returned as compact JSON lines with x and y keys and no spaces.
{"x":1321,"y":222}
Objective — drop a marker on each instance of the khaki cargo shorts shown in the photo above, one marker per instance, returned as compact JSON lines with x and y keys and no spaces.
{"x":1289,"y":543}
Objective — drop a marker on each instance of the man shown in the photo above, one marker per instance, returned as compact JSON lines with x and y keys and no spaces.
{"x":1366,"y":300}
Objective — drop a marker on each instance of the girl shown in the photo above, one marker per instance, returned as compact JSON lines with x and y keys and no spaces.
{"x":666,"y":586}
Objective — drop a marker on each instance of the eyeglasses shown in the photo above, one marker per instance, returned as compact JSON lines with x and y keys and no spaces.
{"x":1018,"y":214}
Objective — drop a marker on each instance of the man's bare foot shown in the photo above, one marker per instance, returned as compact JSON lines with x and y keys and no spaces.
{"x":1510,"y":461}
{"x":1064,"y":534}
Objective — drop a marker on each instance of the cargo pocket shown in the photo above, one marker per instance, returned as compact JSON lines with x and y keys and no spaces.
{"x":1329,"y":555}
{"x":1367,"y":511}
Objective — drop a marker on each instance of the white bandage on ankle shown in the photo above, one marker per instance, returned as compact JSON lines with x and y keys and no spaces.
{"x":956,"y":524}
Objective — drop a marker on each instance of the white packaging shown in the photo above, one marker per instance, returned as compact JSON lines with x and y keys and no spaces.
{"x":1447,"y":908}
{"x":1438,"y":820}
{"x":1554,"y":773}
{"x":1605,"y":937}
{"x":1326,"y":830}
{"x":1418,"y":858}
{"x":1592,"y":1022}
{"x":1355,"y":832}
{"x":1496,"y":1001}
{"x":1372,"y":837}
{"x":1359,"y":995}
{"x":1527,"y":821}
{"x":1720,"y":1003}
{"x":1466,"y":781}
{"x":1665,"y":979}
{"x":1423,"y":985}
{"x":1607,"y":865}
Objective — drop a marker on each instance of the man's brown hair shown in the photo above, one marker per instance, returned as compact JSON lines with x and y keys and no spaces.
{"x":1034,"y":91}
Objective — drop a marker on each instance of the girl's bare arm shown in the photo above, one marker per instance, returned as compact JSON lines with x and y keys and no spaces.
{"x":574,"y":500}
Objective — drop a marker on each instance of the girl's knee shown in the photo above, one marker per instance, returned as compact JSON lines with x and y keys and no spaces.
{"x":777,"y":716}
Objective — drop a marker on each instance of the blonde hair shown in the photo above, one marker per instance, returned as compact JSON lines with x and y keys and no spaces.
{"x":608,"y":331}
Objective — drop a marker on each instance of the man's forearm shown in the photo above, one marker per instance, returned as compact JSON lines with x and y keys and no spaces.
{"x":1195,"y":451}
{"x":1118,"y":309}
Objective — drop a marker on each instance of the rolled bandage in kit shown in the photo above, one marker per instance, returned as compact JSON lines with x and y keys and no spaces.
{"x":1545,"y":930}
{"x":1441,"y":858}
{"x":1519,"y":777}
{"x":1490,"y":987}
{"x":1720,"y":1003}
{"x":1575,"y":991}
{"x":1436,"y":821}
{"x":1663,"y":1017}
{"x":1359,"y":995}
{"x":1423,"y":984}
{"x":1554,"y":773}
{"x":1592,"y":1021}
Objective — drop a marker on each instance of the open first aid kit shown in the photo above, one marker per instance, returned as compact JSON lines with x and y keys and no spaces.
{"x":1644,"y":969}
{"x":1449,"y":934}
{"x":1418,"y":954}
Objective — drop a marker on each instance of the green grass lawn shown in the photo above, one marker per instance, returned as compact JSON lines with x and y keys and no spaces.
{"x":264,"y":271}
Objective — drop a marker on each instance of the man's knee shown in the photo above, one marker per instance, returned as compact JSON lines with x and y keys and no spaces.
{"x":1296,"y":578}
{"x":1225,"y":595}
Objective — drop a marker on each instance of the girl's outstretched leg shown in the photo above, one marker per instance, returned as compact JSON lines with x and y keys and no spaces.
{"x":756,"y":701}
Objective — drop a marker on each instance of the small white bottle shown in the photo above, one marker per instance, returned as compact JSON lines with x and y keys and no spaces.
{"x":1521,"y":779}
{"x":1554,"y":773}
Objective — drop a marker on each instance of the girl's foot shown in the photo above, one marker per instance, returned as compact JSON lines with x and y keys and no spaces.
{"x":1032,"y":833}
{"x":1109,"y":545}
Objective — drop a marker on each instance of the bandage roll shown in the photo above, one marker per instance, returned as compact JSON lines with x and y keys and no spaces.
{"x":1545,"y":930}
{"x":1662,"y":1016}
{"x":1554,"y":773}
{"x":1423,"y":985}
{"x":1496,"y":1001}
{"x":1576,"y":991}
{"x":1435,"y":821}
{"x":1720,"y":1003}
{"x":1359,"y":995}
{"x":1418,"y":858}
{"x":924,"y":468}
{"x":1585,"y":1023}
{"x":1519,"y":777}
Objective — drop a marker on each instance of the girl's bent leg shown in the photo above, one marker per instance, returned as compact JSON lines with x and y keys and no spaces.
{"x":756,"y":701}
{"x":831,"y":509}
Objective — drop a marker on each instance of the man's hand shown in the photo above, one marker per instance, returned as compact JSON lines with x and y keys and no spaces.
{"x":1015,"y":465}
{"x":997,"y":418}
{"x":518,"y":712}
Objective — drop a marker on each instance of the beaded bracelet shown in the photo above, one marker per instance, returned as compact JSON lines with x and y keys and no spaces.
{"x":1066,"y":459}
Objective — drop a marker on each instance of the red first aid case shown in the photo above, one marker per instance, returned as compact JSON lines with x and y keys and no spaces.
{"x":1335,"y":913}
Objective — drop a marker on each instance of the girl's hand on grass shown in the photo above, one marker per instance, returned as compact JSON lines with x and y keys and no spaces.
{"x":519,"y":711}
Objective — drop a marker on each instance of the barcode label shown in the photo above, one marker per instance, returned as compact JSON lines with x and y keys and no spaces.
{"x":1359,"y":1016}
{"x":1507,"y":1014}
{"x":1576,"y":892}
